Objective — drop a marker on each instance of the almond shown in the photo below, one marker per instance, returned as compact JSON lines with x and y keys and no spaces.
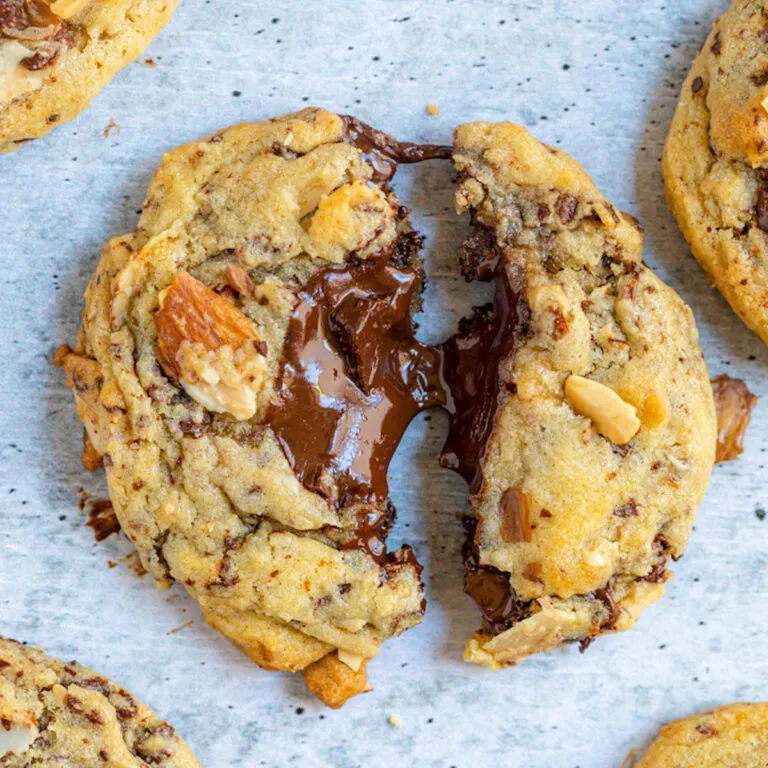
{"x":16,"y":79}
{"x":211,"y":347}
{"x":66,"y":9}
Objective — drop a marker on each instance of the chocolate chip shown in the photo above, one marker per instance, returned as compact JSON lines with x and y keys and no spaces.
{"x":626,"y":510}
{"x":697,"y":84}
{"x":515,"y":516}
{"x":566,"y":206}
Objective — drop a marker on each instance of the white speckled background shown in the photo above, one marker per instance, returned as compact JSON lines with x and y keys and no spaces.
{"x":598,"y":78}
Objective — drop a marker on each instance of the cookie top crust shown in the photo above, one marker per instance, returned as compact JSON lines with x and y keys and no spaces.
{"x":246,"y":367}
{"x":599,"y":431}
{"x":715,"y":160}
{"x":58,"y":715}
{"x":733,"y":736}
{"x":57,"y":55}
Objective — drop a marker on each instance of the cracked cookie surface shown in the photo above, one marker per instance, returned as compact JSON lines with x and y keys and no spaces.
{"x":246,"y":366}
{"x":56,"y":56}
{"x":733,"y":736}
{"x":599,"y":431}
{"x":715,"y":160}
{"x":57,"y":715}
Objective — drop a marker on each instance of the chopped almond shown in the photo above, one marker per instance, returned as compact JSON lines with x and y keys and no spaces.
{"x":239,"y":280}
{"x":211,"y":347}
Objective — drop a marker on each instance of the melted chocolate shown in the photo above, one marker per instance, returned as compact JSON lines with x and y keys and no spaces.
{"x":473,"y":358}
{"x":490,"y":588}
{"x":384,"y":152}
{"x":353,"y":377}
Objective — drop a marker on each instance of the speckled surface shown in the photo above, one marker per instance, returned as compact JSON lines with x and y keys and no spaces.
{"x":600,"y":79}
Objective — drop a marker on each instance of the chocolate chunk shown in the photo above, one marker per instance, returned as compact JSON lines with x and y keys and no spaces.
{"x":566,"y":206}
{"x":760,"y":79}
{"x":716,"y":45}
{"x":102,"y":518}
{"x":515,"y":516}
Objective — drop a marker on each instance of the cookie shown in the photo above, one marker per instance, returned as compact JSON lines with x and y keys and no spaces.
{"x":734,"y":736}
{"x":246,"y":367}
{"x":715,"y":157}
{"x":582,"y":412}
{"x":56,"y":56}
{"x":58,"y":715}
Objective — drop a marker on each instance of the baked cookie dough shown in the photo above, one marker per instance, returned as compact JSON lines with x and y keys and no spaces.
{"x":56,"y":55}
{"x":715,"y":160}
{"x":57,"y":715}
{"x":246,"y":367}
{"x":583,"y":416}
{"x":734,"y":736}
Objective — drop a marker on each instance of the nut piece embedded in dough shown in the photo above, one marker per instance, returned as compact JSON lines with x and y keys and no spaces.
{"x":66,"y":9}
{"x":15,"y":79}
{"x":613,"y":417}
{"x":211,"y":347}
{"x":16,"y":739}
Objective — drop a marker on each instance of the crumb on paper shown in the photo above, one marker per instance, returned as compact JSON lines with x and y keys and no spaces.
{"x":150,"y":62}
{"x":433,"y":109}
{"x":183,"y":626}
{"x":112,"y":126}
{"x":395,"y":721}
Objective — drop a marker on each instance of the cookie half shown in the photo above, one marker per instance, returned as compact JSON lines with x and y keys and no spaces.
{"x":68,"y":716}
{"x":715,"y":160}
{"x":55,"y":57}
{"x":734,"y":736}
{"x":583,"y":416}
{"x":246,"y":367}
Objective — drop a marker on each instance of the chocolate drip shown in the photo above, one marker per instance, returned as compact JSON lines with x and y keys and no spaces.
{"x":384,"y":152}
{"x":473,"y":358}
{"x":353,"y":378}
{"x":490,"y":588}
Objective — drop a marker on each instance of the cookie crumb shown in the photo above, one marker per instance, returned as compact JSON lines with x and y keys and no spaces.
{"x":395,"y":721}
{"x":185,"y":625}
{"x":150,"y":62}
{"x":433,"y":109}
{"x":111,"y":126}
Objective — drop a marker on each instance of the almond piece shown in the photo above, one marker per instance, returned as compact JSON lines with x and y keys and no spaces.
{"x":352,"y":660}
{"x":211,"y":347}
{"x":66,"y":9}
{"x":16,"y":739}
{"x":613,"y":418}
{"x":16,"y":79}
